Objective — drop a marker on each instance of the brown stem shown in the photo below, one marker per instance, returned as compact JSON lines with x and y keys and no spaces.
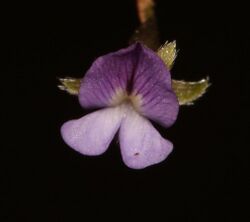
{"x":145,"y":9}
{"x":147,"y":32}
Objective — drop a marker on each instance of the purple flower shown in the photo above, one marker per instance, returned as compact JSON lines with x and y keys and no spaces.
{"x":130,"y":86}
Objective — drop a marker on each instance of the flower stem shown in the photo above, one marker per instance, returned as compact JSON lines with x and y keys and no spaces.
{"x":145,"y":10}
{"x":147,"y":32}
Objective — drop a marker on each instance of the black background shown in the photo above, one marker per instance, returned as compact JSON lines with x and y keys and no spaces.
{"x":45,"y":180}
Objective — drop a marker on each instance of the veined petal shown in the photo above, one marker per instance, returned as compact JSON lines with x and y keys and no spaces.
{"x":160,"y":105}
{"x":152,"y":82}
{"x":134,"y":69}
{"x":150,"y":71}
{"x":92,"y":134}
{"x":107,"y":76}
{"x":135,"y":73}
{"x":141,"y":144}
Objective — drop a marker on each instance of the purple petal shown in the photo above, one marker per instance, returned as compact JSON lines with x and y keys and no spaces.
{"x":150,"y":71}
{"x":141,"y":144}
{"x":136,"y":71}
{"x":160,"y":105}
{"x":92,"y":134}
{"x":152,"y":81}
{"x":107,"y":75}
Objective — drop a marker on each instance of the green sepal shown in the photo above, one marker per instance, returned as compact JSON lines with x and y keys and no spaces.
{"x":188,"y":92}
{"x":168,"y":53}
{"x":70,"y":85}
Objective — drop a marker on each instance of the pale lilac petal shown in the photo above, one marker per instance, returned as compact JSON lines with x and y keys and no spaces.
{"x":92,"y":134}
{"x":141,"y":144}
{"x":107,"y":75}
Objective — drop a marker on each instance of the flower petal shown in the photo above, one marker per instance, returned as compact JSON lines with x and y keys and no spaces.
{"x":160,"y":105}
{"x":152,"y":82}
{"x":107,"y":75}
{"x":92,"y":134}
{"x":150,"y":71}
{"x":136,"y":71}
{"x":141,"y":144}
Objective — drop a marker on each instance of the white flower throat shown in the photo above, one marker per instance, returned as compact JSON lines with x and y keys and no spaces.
{"x":122,"y":97}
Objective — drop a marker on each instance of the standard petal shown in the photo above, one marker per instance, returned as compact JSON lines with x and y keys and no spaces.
{"x":141,"y":144}
{"x":135,"y":71}
{"x":160,"y":105}
{"x":92,"y":134}
{"x":150,"y":70}
{"x":108,"y":75}
{"x":152,"y":82}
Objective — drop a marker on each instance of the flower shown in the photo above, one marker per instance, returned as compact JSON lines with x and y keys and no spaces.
{"x":131,"y":86}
